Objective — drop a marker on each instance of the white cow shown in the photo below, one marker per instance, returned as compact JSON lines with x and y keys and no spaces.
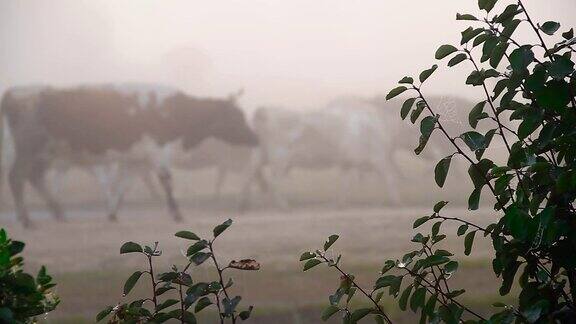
{"x":348,"y":138}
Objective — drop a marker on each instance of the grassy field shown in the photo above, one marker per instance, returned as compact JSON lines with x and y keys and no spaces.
{"x":83,"y":253}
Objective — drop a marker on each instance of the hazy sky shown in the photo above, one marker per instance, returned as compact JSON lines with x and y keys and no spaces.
{"x":292,"y":52}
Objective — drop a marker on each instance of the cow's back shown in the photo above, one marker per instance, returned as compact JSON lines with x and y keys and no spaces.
{"x":90,"y":119}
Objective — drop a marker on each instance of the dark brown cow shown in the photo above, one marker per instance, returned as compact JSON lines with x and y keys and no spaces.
{"x":99,"y":125}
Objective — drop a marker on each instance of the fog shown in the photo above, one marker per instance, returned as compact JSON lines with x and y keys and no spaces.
{"x":297,"y":53}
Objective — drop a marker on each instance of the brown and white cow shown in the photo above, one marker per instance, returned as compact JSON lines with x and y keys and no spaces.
{"x":104,"y":128}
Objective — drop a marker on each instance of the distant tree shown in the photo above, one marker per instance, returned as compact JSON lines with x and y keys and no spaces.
{"x":534,"y":239}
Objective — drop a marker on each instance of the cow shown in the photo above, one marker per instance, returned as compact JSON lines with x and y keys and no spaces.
{"x":106,"y":129}
{"x":348,"y":139}
{"x":404,"y":136}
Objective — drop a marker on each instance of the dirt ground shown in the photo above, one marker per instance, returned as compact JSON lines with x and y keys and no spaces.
{"x":83,"y":253}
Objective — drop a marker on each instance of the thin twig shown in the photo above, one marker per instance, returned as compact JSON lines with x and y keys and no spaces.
{"x":369,"y":296}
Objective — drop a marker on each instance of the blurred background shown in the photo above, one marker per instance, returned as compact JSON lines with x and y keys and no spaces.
{"x":302,"y":56}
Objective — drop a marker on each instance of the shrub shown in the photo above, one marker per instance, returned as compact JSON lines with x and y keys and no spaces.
{"x":534,"y":239}
{"x":175,"y":292}
{"x":22,"y":296}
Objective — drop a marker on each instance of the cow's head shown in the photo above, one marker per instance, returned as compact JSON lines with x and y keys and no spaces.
{"x":196,"y":119}
{"x":228,"y":122}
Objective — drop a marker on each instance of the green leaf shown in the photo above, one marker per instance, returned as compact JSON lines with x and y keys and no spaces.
{"x":406,"y":107}
{"x":480,"y":39}
{"x":441,"y":170}
{"x":455,"y":293}
{"x":418,"y":299}
{"x":468,"y":241}
{"x":550,"y":27}
{"x":510,"y":28}
{"x":331,"y":239}
{"x":479,"y":172}
{"x":329,"y":311}
{"x":516,"y":221}
{"x":307,"y":255}
{"x":245,"y":314}
{"x":560,"y":68}
{"x":436,"y":228}
{"x":222,"y":227}
{"x":470,"y":33}
{"x":508,"y":277}
{"x":403,"y":301}
{"x":444,"y":51}
{"x":196,"y":247}
{"x":569,"y":34}
{"x":450,"y":267}
{"x":462,"y":229}
{"x":465,"y":17}
{"x":420,"y":105}
{"x":165,"y":304}
{"x":379,"y":319}
{"x":407,"y":80}
{"x":395,"y":92}
{"x":420,"y":221}
{"x":487,"y":5}
{"x":488,"y":47}
{"x":230,"y":304}
{"x":427,"y":73}
{"x":384,"y":281}
{"x":498,"y":54}
{"x":521,"y":58}
{"x":439,"y":205}
{"x":187,"y":235}
{"x":473,"y":140}
{"x":457,"y":59}
{"x":202,"y":303}
{"x":311,"y":264}
{"x":507,"y":15}
{"x":360,"y":314}
{"x":474,"y":199}
{"x":130,"y":247}
{"x":200,"y":257}
{"x":104,"y":313}
{"x":431,"y":305}
{"x":476,"y":114}
{"x":434,"y":260}
{"x":395,"y":285}
{"x":427,"y":125}
{"x":131,"y":282}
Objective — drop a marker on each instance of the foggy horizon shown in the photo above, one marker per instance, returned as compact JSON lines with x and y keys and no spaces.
{"x":297,"y":54}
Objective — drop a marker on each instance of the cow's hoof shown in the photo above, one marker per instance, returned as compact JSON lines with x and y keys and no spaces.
{"x":243,"y":208}
{"x":27,"y":224}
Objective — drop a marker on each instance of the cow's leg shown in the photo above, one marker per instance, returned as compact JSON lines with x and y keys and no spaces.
{"x":124,"y":180}
{"x":346,"y":175}
{"x":390,"y":180}
{"x":38,"y":181}
{"x":278,"y":171}
{"x":16,"y":179}
{"x":165,"y":178}
{"x":148,"y":182}
{"x":245,"y":198}
{"x":263,"y":184}
{"x":221,"y":173}
{"x":253,"y":173}
{"x":109,"y":178}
